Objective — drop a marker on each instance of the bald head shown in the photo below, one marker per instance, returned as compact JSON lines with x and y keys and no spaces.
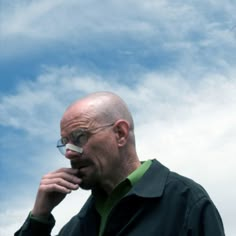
{"x":104,"y":107}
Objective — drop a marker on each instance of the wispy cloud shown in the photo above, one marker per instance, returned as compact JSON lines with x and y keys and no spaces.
{"x":143,"y":29}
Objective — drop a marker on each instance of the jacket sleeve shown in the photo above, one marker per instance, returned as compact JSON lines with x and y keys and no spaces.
{"x":204,"y":219}
{"x":32,"y":227}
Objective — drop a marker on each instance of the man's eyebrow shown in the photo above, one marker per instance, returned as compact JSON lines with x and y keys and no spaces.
{"x":80,"y":130}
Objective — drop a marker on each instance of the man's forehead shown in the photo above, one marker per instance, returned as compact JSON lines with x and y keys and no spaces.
{"x":76,"y":118}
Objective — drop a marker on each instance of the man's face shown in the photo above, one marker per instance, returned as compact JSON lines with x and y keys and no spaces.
{"x":100,"y":156}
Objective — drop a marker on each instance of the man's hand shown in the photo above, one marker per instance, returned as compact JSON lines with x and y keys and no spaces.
{"x":53,"y":189}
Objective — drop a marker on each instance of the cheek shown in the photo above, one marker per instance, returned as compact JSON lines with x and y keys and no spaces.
{"x":104,"y":155}
{"x":101,"y":145}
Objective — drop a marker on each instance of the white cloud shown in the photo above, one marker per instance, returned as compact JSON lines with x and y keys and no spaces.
{"x":68,"y":208}
{"x":173,"y":26}
{"x":187,"y":125}
{"x":17,"y":211}
{"x":19,"y":16}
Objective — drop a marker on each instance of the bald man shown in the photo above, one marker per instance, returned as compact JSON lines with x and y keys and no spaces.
{"x":128,"y":197}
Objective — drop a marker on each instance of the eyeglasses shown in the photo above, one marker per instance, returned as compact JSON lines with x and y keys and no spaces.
{"x":78,"y":137}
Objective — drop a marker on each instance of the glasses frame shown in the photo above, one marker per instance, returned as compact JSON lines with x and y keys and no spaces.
{"x":80,"y":132}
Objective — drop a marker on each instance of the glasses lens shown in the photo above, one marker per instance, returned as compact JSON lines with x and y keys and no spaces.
{"x":79,"y":137}
{"x":61,"y":147}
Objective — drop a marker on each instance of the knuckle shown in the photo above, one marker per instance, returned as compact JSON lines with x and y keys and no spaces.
{"x":59,"y":181}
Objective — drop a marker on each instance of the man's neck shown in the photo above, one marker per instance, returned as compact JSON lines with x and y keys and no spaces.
{"x":117,"y":177}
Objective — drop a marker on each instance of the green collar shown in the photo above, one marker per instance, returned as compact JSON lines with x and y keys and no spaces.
{"x":136,"y":175}
{"x":104,"y":204}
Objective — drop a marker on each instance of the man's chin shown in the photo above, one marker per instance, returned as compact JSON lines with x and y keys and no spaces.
{"x":86,"y":185}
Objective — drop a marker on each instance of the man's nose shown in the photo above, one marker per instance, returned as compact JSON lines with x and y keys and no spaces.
{"x":74,"y":148}
{"x":72,"y":151}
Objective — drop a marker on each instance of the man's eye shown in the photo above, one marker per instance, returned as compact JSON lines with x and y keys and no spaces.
{"x":79,"y":139}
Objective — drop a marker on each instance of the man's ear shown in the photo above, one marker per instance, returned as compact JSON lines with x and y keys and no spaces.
{"x":122,"y":128}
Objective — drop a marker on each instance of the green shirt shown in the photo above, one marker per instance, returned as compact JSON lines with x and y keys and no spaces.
{"x":104,"y":204}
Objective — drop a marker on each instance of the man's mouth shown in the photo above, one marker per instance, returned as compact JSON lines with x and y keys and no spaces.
{"x":77,"y":165}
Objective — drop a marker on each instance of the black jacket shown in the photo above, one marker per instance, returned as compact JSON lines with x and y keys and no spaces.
{"x":162,"y":203}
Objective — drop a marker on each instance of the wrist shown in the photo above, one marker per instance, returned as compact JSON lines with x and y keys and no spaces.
{"x":44,"y":218}
{"x":40,"y":212}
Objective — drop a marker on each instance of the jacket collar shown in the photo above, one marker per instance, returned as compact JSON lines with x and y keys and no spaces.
{"x":153,"y":181}
{"x":151,"y":185}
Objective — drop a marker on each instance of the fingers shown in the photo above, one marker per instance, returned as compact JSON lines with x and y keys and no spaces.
{"x":62,"y":181}
{"x":68,"y":174}
{"x":58,"y":185}
{"x":53,"y":189}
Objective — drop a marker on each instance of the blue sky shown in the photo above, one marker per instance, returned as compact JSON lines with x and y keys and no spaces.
{"x":174,"y":64}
